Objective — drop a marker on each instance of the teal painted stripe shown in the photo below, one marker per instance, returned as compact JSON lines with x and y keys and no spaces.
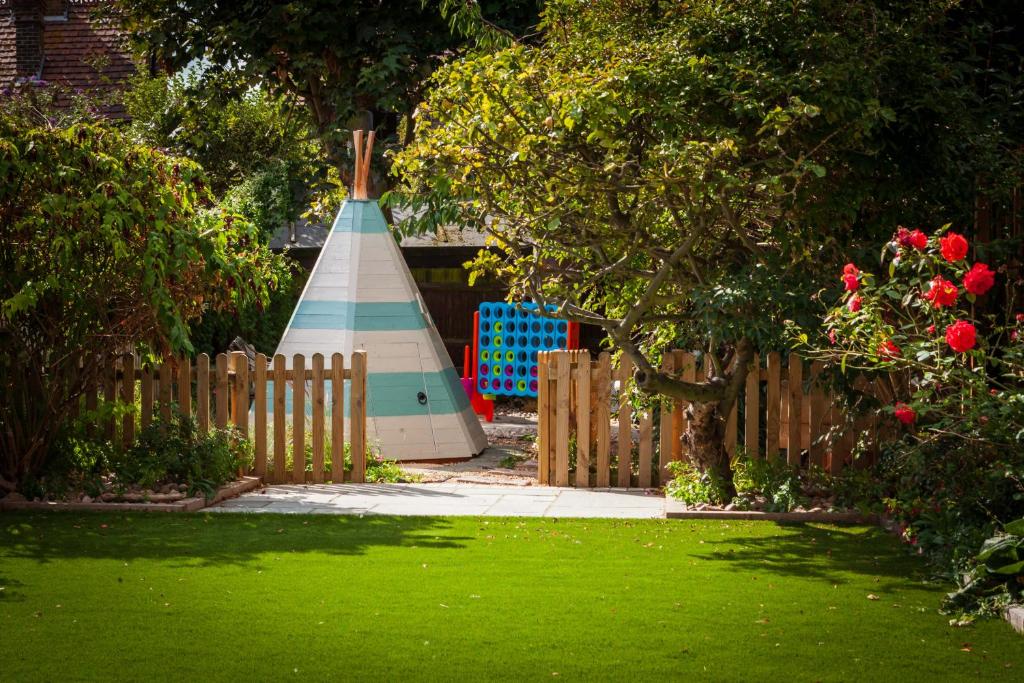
{"x":393,"y":394}
{"x":360,"y":216}
{"x":363,"y":316}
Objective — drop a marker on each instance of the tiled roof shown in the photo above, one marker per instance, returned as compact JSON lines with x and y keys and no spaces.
{"x":85,"y":52}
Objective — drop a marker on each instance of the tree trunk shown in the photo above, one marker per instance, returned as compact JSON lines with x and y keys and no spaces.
{"x":705,"y":438}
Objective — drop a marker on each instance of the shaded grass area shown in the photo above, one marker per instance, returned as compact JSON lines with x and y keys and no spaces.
{"x":240,"y":597}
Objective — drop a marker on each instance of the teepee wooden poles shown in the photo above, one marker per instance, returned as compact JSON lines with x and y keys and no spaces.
{"x":363,"y":156}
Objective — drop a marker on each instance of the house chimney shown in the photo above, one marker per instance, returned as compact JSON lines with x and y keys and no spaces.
{"x":28,"y":37}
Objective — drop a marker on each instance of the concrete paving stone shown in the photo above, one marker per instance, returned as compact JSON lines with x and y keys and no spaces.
{"x":448,"y":499}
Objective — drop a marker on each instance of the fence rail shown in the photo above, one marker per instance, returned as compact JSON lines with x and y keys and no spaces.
{"x":578,"y":398}
{"x":252,"y":398}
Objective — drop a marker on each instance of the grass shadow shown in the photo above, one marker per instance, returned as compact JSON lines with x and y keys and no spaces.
{"x":819,"y":552}
{"x":203,"y":539}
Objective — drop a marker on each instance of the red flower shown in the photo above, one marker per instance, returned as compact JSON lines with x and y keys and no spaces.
{"x":931,"y":329}
{"x":850,"y":277}
{"x":905,"y":414}
{"x":953,"y":247}
{"x":979,"y":279}
{"x":942,"y":292}
{"x":1020,"y":317}
{"x":907,"y":238}
{"x":919,"y":240}
{"x":832,"y":337}
{"x":961,"y":336}
{"x":888,"y":349}
{"x":853,"y":305}
{"x":902,"y":236}
{"x":1014,"y":335}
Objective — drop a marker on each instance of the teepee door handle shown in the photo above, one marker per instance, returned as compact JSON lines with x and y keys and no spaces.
{"x":421,"y":397}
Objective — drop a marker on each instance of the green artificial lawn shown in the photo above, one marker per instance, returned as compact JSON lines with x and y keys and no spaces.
{"x":259,"y":597}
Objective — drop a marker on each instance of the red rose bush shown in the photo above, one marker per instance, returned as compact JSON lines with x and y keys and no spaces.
{"x":941,"y":329}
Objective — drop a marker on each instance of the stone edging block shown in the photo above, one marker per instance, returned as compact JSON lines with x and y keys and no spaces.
{"x":675,"y":509}
{"x":229,"y":490}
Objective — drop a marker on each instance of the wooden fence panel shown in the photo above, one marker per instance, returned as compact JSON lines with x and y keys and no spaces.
{"x":260,"y":416}
{"x":240,"y":393}
{"x":665,"y":434}
{"x":646,"y":450}
{"x":221,"y":392}
{"x":128,"y":398}
{"x":166,"y":388}
{"x":773,"y":400}
{"x":203,"y":392}
{"x":357,"y":416}
{"x":680,"y":424}
{"x":795,"y":394}
{"x":280,"y":406}
{"x":318,"y":418}
{"x":625,"y":450}
{"x":110,"y":394}
{"x":146,"y":400}
{"x":298,"y":419}
{"x":602,"y":415}
{"x":575,"y":401}
{"x":563,"y":378}
{"x":752,"y":409}
{"x":543,"y":400}
{"x":818,"y":417}
{"x":584,"y":408}
{"x":337,"y":418}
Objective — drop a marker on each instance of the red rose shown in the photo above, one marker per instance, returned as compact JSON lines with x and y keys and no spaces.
{"x":942,"y":292}
{"x":918,"y":240}
{"x":979,"y":279}
{"x":961,"y":336}
{"x":850,"y":277}
{"x":905,"y":414}
{"x":888,"y":349}
{"x":832,"y":337}
{"x":902,"y":236}
{"x":1014,"y":335}
{"x":1020,"y":317}
{"x":853,"y":305}
{"x":931,"y":329}
{"x":953,"y":247}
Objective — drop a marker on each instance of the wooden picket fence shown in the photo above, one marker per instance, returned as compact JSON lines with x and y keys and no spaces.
{"x":231,"y":386}
{"x":578,"y":397}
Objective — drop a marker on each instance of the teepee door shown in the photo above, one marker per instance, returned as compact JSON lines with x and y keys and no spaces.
{"x":398,"y":402}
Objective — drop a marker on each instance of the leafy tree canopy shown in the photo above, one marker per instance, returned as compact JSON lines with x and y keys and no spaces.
{"x":105,"y":245}
{"x":340,"y":58}
{"x":680,"y":171}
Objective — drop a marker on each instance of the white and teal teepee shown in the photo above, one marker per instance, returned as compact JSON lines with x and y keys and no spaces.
{"x":361,"y":296}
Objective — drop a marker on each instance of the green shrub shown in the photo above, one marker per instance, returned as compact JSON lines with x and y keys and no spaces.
{"x":997,"y":577}
{"x":693,"y":487}
{"x":773,"y":478}
{"x":175,"y":452}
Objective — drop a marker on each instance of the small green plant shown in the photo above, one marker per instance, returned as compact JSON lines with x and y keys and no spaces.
{"x":175,"y":451}
{"x":693,"y":487}
{"x":511,"y":461}
{"x":997,"y":578}
{"x":381,"y":471}
{"x":772,"y":478}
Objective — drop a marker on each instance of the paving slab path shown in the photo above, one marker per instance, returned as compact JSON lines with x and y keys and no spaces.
{"x":449,"y":499}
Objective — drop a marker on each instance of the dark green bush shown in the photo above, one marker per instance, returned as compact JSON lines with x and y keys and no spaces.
{"x":176,"y":452}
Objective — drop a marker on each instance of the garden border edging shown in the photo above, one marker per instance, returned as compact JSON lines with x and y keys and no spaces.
{"x":675,"y":509}
{"x":193,"y":504}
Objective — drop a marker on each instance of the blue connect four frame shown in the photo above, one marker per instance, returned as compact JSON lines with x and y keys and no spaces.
{"x":508,"y":342}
